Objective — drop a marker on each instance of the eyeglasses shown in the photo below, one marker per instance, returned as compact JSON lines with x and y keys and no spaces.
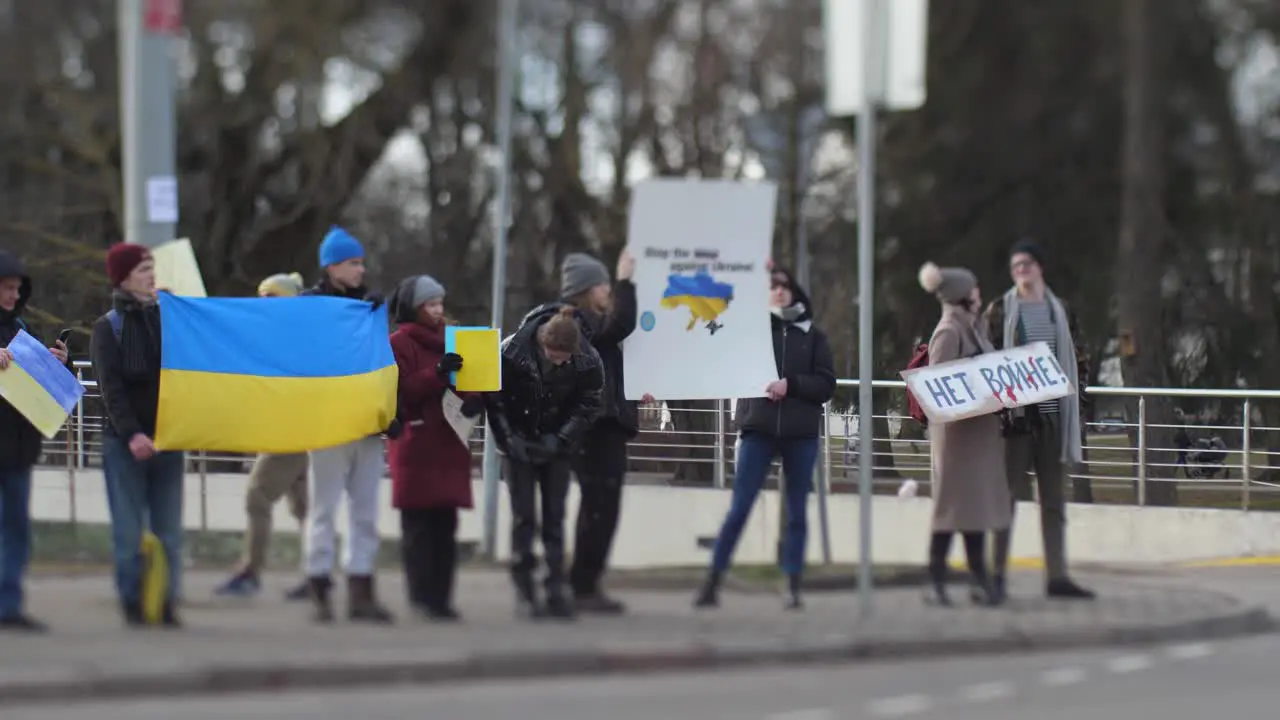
{"x":775,"y":284}
{"x":1022,"y":264}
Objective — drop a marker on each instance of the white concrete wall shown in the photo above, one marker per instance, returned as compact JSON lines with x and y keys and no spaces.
{"x":661,"y":525}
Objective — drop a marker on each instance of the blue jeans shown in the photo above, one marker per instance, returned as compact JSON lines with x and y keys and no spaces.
{"x":15,"y":537}
{"x":755,"y":455}
{"x":141,"y":495}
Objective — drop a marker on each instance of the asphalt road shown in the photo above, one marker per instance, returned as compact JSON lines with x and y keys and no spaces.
{"x":1183,"y":682}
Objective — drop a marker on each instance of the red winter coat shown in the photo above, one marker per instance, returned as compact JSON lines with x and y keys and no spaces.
{"x":430,"y":467}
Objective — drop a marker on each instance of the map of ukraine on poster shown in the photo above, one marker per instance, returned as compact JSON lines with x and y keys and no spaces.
{"x":702,"y":290}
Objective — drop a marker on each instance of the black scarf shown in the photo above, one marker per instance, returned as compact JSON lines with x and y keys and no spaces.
{"x":139,"y":335}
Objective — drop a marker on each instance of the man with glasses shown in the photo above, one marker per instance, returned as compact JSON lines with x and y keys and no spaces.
{"x":1043,"y":438}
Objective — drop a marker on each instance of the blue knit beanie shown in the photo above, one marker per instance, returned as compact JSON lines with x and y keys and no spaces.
{"x":339,"y":246}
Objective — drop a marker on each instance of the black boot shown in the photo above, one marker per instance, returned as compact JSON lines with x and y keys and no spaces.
{"x":709,"y":595}
{"x":1065,"y":589}
{"x":527,"y":604}
{"x":133,"y":617}
{"x":794,"y":599}
{"x":559,"y":607}
{"x":321,"y":600}
{"x":939,"y":550}
{"x":362,"y":602}
{"x":169,"y":618}
{"x":999,"y":589}
{"x":981,"y":591}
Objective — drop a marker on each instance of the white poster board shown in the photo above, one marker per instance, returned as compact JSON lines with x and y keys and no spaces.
{"x":702,"y":290}
{"x":177,"y":270}
{"x":981,"y":385}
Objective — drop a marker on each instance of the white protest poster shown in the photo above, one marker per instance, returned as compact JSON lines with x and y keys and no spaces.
{"x":984,"y":384}
{"x":177,"y":270}
{"x":702,"y":290}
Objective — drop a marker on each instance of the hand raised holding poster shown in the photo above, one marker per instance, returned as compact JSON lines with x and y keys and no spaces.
{"x":988,"y":383}
{"x":702,"y":290}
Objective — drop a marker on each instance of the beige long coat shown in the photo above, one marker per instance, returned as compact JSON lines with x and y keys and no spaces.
{"x":967,"y":471}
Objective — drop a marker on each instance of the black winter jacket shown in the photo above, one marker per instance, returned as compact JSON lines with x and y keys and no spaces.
{"x":20,"y":442}
{"x":803,"y":356}
{"x":527,"y":407}
{"x":607,"y":333}
{"x":130,"y":386}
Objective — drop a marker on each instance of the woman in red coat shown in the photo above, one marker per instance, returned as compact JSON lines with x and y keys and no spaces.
{"x":430,"y":465}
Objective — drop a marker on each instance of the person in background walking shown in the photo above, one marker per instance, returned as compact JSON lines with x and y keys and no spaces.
{"x":430,"y":464}
{"x":1046,"y":437}
{"x":601,"y":461}
{"x":354,"y":469}
{"x":552,"y":383}
{"x":272,"y":477}
{"x":786,"y":422}
{"x":20,"y":447}
{"x":966,"y":457}
{"x":144,"y":485}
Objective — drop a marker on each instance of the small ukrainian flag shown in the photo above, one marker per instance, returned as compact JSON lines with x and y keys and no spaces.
{"x":283,"y":375}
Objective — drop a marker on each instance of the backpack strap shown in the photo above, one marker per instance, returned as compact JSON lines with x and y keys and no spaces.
{"x":22,"y":324}
{"x":117,"y":323}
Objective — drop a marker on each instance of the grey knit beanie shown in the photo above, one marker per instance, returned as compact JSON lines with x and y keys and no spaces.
{"x":426,"y":289}
{"x":950,"y":285}
{"x":579,"y":273}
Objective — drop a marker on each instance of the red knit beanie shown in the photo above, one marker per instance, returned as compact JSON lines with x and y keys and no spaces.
{"x":122,"y":258}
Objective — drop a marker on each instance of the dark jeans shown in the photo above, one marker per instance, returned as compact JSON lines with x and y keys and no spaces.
{"x":525,"y":483}
{"x":143,"y":495}
{"x":15,"y":537}
{"x":1041,"y":451}
{"x":429,"y":550}
{"x":755,"y":454}
{"x":601,"y":467}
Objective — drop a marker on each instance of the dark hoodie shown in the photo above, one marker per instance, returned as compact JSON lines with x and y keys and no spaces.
{"x":607,"y":333}
{"x":803,"y":357}
{"x":127,"y":368}
{"x":19,"y":440}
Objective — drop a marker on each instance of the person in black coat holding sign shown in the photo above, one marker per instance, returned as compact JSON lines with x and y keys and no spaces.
{"x":552,"y":383}
{"x":787,"y":422}
{"x":20,"y":445}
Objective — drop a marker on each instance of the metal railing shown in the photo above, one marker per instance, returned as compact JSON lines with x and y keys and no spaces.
{"x":1128,"y":455}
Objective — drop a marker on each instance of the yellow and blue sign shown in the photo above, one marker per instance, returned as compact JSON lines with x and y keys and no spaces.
{"x":280,"y":376}
{"x":705,"y":297}
{"x":37,"y":385}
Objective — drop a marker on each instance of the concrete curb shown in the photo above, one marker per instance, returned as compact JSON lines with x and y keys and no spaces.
{"x":426,"y":668}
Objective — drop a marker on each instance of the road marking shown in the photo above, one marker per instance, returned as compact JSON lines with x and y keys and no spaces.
{"x":1063,"y":676}
{"x":1190,"y":651}
{"x":987,"y":692}
{"x":900,"y":706}
{"x":1129,"y":663}
{"x":809,"y":714}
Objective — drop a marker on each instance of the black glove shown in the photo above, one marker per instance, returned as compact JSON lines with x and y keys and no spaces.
{"x":551,"y":445}
{"x":449,"y":364}
{"x":394,"y":430}
{"x":376,"y":300}
{"x":518,"y":449}
{"x":472,"y":407}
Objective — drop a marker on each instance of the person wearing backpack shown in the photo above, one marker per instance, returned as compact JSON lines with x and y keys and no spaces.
{"x":20,"y":446}
{"x":144,"y":485}
{"x":786,"y":423}
{"x":966,"y":457}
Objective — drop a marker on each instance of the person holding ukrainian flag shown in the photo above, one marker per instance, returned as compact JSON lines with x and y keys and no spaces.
{"x":274,"y":476}
{"x":355,"y":468}
{"x":144,"y":483}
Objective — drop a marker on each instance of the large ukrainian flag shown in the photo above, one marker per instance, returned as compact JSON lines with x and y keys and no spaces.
{"x":274,"y":375}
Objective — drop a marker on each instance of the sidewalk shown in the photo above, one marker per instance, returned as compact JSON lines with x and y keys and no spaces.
{"x":232,"y":646}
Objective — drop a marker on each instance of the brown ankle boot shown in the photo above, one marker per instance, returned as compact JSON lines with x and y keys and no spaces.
{"x":363,"y":605}
{"x":322,"y":605}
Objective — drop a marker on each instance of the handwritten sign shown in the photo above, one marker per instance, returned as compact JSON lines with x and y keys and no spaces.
{"x":981,"y":385}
